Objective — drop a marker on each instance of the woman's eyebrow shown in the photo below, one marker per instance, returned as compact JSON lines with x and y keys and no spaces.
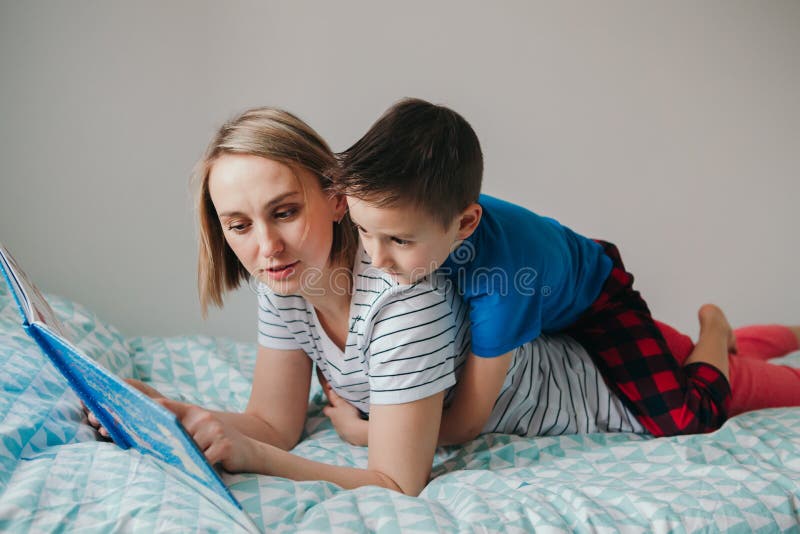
{"x":271,"y":203}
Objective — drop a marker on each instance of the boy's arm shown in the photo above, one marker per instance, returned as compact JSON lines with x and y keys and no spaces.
{"x":476,"y":392}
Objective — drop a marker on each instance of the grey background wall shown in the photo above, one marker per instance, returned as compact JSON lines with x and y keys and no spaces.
{"x":670,"y":128}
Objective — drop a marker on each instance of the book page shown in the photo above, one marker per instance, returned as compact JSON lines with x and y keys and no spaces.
{"x":33,"y":304}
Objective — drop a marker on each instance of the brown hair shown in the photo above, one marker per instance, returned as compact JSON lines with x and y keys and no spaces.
{"x":417,"y":154}
{"x":277,"y":135}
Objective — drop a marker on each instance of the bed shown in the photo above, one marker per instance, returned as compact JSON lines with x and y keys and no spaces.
{"x":56,"y":476}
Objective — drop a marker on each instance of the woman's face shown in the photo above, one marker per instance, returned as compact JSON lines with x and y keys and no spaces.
{"x":276,"y":219}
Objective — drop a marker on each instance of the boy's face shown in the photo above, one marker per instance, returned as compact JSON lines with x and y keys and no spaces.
{"x":403,"y":241}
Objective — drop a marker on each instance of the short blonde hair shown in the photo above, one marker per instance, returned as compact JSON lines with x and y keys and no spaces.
{"x":273,"y":134}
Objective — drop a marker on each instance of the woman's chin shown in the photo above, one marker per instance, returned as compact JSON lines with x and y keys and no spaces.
{"x":284,"y":287}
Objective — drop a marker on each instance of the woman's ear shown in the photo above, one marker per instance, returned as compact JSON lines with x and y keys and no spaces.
{"x":468,"y":220}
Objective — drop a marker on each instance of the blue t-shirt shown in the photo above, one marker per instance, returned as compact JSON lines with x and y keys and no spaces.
{"x":523,"y":274}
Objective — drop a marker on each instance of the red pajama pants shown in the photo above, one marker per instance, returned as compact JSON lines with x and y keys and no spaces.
{"x":755,"y":383}
{"x":631,"y":353}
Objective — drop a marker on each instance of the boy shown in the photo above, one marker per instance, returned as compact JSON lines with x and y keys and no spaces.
{"x":413,"y":186}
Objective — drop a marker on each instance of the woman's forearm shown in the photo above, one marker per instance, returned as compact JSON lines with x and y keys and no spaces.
{"x":256,"y":428}
{"x":269,"y":460}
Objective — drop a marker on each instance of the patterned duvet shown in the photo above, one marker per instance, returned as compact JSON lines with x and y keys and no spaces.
{"x":54,"y":475}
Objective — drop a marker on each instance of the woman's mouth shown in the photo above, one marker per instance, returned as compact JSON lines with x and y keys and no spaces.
{"x":280,"y":272}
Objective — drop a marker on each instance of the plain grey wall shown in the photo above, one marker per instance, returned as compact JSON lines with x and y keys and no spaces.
{"x":670,"y":128}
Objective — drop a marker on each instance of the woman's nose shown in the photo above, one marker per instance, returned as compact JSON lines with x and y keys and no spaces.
{"x":269,"y":243}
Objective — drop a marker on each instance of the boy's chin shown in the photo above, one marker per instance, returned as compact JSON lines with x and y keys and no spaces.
{"x":405,"y":279}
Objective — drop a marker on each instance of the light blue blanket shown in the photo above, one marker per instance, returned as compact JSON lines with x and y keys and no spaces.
{"x":54,"y":475}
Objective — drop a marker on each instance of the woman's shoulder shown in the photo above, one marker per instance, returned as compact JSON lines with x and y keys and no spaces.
{"x":286,"y":308}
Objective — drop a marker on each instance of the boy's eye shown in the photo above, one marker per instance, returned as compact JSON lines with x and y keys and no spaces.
{"x":401,"y":242}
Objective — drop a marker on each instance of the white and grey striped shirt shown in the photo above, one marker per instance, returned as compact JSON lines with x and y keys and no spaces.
{"x":552,"y":387}
{"x":407,"y":342}
{"x":401,"y":344}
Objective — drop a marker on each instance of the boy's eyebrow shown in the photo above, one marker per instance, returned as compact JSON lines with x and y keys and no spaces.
{"x":399,"y":236}
{"x":271,"y":203}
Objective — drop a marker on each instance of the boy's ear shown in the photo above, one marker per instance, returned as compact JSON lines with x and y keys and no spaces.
{"x":339,"y":206}
{"x":468,"y":220}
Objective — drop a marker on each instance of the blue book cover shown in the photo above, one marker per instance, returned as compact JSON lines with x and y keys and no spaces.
{"x":132,"y":419}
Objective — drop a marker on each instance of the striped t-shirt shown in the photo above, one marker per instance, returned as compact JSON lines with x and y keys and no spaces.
{"x":402,"y":342}
{"x":407,"y":342}
{"x":552,"y":387}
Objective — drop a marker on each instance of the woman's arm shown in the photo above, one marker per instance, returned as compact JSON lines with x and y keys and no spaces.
{"x":278,"y":402}
{"x":276,"y":411}
{"x":402,"y":444}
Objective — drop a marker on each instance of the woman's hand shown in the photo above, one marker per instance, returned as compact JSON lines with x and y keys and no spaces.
{"x":220,"y":442}
{"x":138,"y":384}
{"x":346,"y":419}
{"x":148,"y":390}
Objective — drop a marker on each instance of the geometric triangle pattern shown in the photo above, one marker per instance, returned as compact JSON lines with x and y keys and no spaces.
{"x":55,"y":475}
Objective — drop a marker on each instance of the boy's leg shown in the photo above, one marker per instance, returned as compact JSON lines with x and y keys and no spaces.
{"x":635,"y":359}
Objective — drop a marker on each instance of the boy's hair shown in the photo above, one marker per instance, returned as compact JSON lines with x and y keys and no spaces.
{"x":273,"y":134}
{"x":416,"y":154}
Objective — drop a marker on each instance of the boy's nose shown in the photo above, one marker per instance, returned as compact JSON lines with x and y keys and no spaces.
{"x":380,"y":259}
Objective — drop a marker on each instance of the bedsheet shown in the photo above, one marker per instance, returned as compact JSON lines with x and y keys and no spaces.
{"x":55,"y":476}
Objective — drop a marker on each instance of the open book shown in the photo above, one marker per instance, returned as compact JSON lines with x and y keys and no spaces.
{"x":131,"y":418}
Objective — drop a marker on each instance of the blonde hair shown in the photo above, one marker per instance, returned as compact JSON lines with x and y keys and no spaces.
{"x":273,"y":134}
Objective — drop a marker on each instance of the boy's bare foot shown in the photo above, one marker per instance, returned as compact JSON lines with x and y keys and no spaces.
{"x":713,"y":321}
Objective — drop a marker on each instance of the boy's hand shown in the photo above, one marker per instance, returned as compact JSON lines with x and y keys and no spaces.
{"x":326,"y":387}
{"x":220,"y":442}
{"x":346,"y":419}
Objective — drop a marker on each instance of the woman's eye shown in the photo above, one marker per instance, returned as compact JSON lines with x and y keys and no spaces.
{"x":236,"y":227}
{"x":284,"y":214}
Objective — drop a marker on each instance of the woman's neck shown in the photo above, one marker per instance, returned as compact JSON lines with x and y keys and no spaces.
{"x":331,"y":301}
{"x":332,"y":294}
